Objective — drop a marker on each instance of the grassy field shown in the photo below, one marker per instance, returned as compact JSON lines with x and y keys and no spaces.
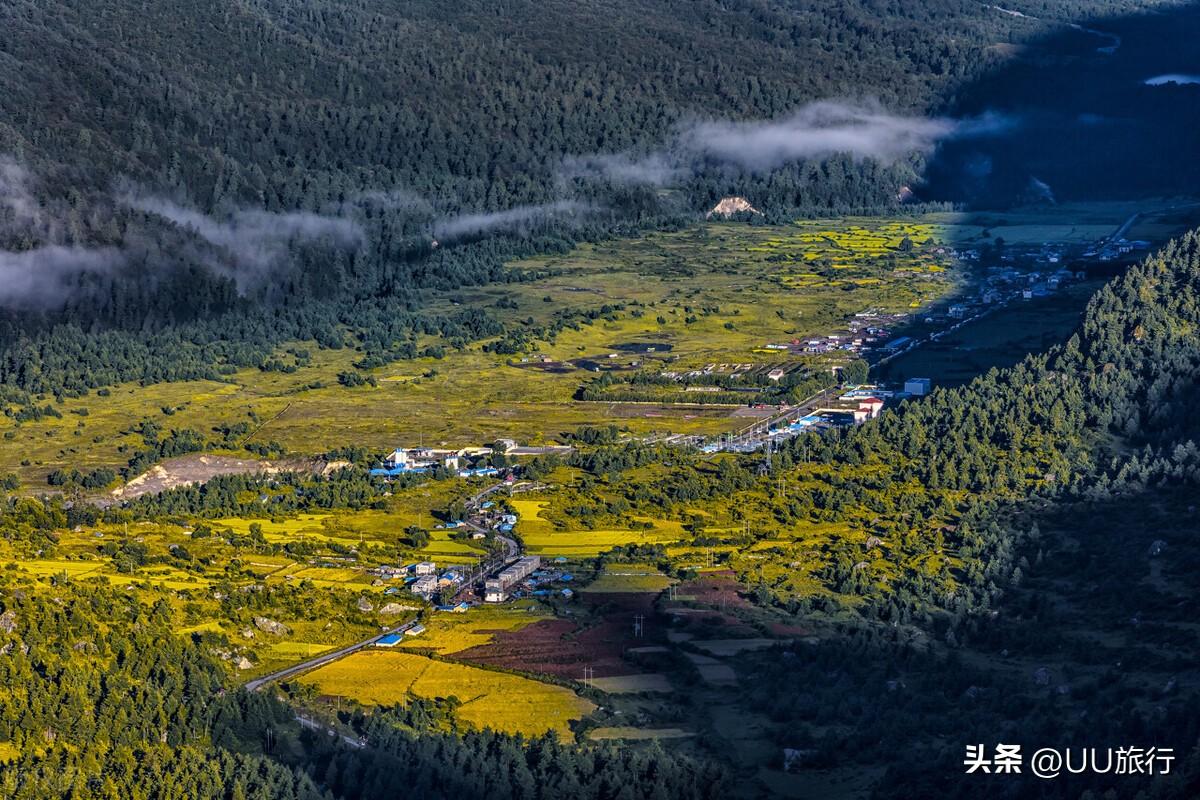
{"x":637,"y":734}
{"x":414,"y":506}
{"x":452,"y":633}
{"x":490,"y":699}
{"x":633,"y":684}
{"x":629,"y":578}
{"x":543,"y":538}
{"x":714,"y":293}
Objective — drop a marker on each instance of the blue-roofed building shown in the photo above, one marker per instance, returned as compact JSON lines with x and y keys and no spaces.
{"x":478,"y":472}
{"x":391,"y":640}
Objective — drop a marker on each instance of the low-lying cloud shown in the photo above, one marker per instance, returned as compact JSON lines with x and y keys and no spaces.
{"x":817,"y":130}
{"x":519,"y":219}
{"x":1175,"y":78}
{"x":256,"y":241}
{"x":41,"y":278}
{"x":20,"y":210}
{"x":390,"y":199}
{"x":623,"y":168}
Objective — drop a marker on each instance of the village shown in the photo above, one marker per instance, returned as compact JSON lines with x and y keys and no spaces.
{"x":503,"y":572}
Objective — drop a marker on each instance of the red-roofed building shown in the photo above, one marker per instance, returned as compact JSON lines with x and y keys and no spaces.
{"x":872,"y":405}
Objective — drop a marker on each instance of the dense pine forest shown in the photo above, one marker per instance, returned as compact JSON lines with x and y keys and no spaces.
{"x":195,"y":185}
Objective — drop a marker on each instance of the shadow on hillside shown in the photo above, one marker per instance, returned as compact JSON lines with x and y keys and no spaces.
{"x":1085,"y":125}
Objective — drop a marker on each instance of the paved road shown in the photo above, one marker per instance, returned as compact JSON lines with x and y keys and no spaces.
{"x":756,"y":433}
{"x":357,"y":742}
{"x":323,"y":659}
{"x":512,"y":548}
{"x":1125,"y":226}
{"x":512,"y":551}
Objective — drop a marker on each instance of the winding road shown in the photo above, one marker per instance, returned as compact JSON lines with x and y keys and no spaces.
{"x":512,"y":550}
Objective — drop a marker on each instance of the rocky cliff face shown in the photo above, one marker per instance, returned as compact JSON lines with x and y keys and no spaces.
{"x":730,"y":206}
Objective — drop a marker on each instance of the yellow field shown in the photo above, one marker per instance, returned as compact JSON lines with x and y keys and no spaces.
{"x":542,"y":538}
{"x":278,"y":530}
{"x":410,"y":507}
{"x":158,"y":576}
{"x":296,"y":650}
{"x":490,"y":699}
{"x":43,"y":567}
{"x":448,"y":633}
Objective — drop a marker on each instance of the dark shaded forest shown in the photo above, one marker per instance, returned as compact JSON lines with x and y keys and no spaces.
{"x":194,"y":185}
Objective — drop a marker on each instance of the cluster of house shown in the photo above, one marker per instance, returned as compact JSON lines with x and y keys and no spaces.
{"x":466,"y":462}
{"x":773,"y":371}
{"x":495,"y":590}
{"x":854,"y":407}
{"x":393,"y":639}
{"x":526,"y":576}
{"x":421,"y":579}
{"x":1111,"y":250}
{"x":865,"y":331}
{"x":496,"y":518}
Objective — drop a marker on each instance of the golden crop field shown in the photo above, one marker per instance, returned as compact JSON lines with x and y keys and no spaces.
{"x":447,"y":633}
{"x":490,"y":699}
{"x":541,"y":536}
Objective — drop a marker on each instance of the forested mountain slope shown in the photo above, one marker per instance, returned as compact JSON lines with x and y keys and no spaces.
{"x":299,"y":103}
{"x":205,"y":180}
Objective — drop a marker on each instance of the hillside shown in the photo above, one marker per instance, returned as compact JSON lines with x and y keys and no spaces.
{"x":302,"y":156}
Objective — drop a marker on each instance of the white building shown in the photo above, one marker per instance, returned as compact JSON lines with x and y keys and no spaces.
{"x":918,"y":387}
{"x":424,"y":586}
{"x":495,"y":590}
